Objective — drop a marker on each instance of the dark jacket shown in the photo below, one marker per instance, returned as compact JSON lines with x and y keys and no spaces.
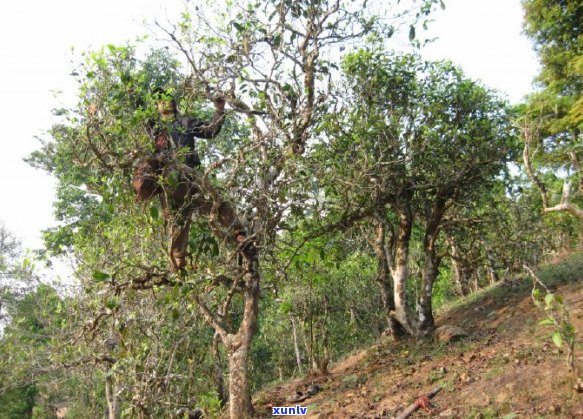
{"x":183,"y":130}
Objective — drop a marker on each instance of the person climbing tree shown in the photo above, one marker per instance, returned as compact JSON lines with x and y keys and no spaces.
{"x":173,"y":131}
{"x":174,"y":142}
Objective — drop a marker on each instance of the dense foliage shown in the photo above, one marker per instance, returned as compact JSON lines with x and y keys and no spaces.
{"x":552,"y":117}
{"x":374,"y":188}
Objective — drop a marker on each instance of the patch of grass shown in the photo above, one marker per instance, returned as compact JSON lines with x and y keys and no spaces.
{"x":312,"y":408}
{"x":467,"y":302}
{"x":486,"y":413}
{"x":499,"y":361}
{"x":568,"y":270}
{"x":435,"y":374}
{"x":531,"y":325}
{"x":352,"y":381}
{"x":447,"y":384}
{"x":493,"y":372}
{"x":525,"y":353}
{"x":353,"y":378}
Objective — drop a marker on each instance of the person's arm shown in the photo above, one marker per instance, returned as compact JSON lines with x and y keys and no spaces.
{"x":210,"y":129}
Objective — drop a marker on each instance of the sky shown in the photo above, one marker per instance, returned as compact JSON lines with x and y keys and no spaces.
{"x":37,"y":38}
{"x":485,"y":38}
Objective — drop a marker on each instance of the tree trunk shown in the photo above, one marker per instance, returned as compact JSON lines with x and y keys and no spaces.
{"x":433,"y":216}
{"x":491,"y":265}
{"x":384,"y":251}
{"x":240,"y":406}
{"x":313,"y":361}
{"x":218,"y":372}
{"x":425,"y":307}
{"x":325,"y":358}
{"x":297,"y":346}
{"x":400,"y":271}
{"x":238,"y":345}
{"x":113,"y":406}
{"x":304,"y":336}
{"x":460,"y":271}
{"x":476,"y":279}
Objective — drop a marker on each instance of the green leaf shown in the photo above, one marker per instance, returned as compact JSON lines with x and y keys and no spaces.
{"x":411,"y":33}
{"x":442,"y":4}
{"x":238,"y":26}
{"x":558,"y":339}
{"x":99,"y":276}
{"x":570,"y":329}
{"x":154,"y":212}
{"x":112,"y":303}
{"x":286,"y":307}
{"x":549,"y":298}
{"x":175,"y":314}
{"x":173,"y":179}
{"x":546,"y":322}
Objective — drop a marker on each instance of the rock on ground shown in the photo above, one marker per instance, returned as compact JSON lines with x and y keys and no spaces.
{"x":448,"y":333}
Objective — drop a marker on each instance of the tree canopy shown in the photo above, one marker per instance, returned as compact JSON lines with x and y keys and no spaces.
{"x":371,"y":187}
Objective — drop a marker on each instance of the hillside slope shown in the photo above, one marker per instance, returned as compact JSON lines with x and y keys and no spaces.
{"x":507,"y":367}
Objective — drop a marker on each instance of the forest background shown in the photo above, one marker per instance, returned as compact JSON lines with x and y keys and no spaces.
{"x":375,"y":187}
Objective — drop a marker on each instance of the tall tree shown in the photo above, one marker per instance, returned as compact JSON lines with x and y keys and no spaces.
{"x":419,"y":137}
{"x":16,"y":272}
{"x":32,"y":319}
{"x":273,"y":62}
{"x":552,"y":118}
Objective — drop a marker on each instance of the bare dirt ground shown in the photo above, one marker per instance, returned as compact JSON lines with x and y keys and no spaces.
{"x":508,"y":367}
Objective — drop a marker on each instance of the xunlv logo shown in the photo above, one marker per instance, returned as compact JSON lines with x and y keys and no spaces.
{"x":283,"y":411}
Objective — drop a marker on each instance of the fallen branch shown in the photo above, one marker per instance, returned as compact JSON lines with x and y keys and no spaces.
{"x":422,"y":401}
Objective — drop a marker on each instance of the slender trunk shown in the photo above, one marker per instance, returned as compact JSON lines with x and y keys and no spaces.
{"x":113,"y":406}
{"x":325,"y":359}
{"x":313,"y":360}
{"x":425,"y":307}
{"x":297,"y":345}
{"x":238,"y":346}
{"x":400,"y":270}
{"x":313,"y":357}
{"x":304,"y":336}
{"x":433,"y":216}
{"x":218,"y":372}
{"x":460,"y":271}
{"x":476,"y":279}
{"x":491,"y":265}
{"x":492,"y":274}
{"x":384,"y":251}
